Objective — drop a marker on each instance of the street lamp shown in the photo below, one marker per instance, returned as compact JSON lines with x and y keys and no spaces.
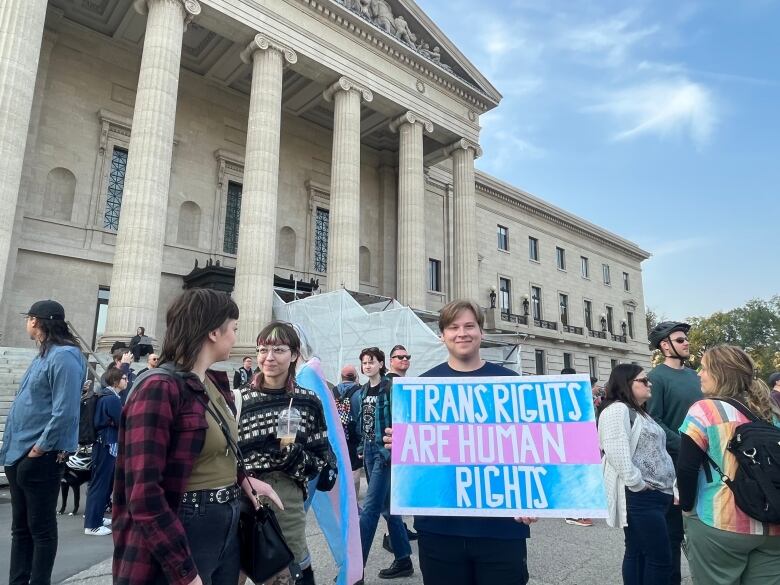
{"x":623,"y":326}
{"x":492,"y":297}
{"x":603,"y":322}
{"x":525,"y":305}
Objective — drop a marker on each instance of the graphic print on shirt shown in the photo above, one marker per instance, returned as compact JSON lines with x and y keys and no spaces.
{"x":369,"y":415}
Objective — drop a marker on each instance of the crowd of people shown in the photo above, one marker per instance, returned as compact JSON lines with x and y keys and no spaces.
{"x":178,"y":452}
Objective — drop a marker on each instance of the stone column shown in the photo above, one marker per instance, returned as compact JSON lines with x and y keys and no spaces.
{"x":411,"y":209}
{"x":135,"y":280}
{"x":257,"y":227}
{"x":344,"y":237}
{"x":21,"y":31}
{"x":464,"y":207}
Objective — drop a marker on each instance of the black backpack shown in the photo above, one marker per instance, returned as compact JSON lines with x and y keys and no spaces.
{"x":87,"y":430}
{"x":756,"y":483}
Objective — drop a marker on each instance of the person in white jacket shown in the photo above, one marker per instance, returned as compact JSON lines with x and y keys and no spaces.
{"x":638,"y":475}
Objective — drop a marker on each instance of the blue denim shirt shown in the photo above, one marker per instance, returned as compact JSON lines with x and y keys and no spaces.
{"x":45,"y":411}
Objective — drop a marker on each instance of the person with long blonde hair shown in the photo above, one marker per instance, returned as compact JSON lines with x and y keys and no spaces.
{"x":725,"y":545}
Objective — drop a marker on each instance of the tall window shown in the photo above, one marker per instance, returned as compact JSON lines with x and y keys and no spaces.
{"x":560,"y":256}
{"x":540,"y":366}
{"x":232,"y":217}
{"x":613,"y":363}
{"x":630,"y":323}
{"x":588,"y":310}
{"x":567,"y":360}
{"x":533,"y":249}
{"x":584,"y":267}
{"x":605,"y":273}
{"x":563,"y":302}
{"x":593,"y":366}
{"x":505,"y":295}
{"x":536,"y":302}
{"x":626,"y":282}
{"x":321,"y":227}
{"x":503,"y":238}
{"x":610,"y":319}
{"x":101,"y":312}
{"x":116,"y":187}
{"x":434,"y":274}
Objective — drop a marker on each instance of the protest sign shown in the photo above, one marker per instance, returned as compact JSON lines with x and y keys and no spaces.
{"x":503,"y":446}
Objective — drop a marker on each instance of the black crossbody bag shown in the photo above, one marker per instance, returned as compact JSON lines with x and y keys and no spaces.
{"x":264,"y":551}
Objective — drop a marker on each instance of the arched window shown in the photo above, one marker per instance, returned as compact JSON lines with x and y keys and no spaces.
{"x":59,"y":193}
{"x":365,"y":264}
{"x":189,"y":224}
{"x":285,"y":255}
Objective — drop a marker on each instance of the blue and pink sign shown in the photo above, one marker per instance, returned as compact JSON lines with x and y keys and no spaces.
{"x":505,"y":446}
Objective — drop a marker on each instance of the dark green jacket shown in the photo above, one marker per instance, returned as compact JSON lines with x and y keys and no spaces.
{"x":673,"y":393}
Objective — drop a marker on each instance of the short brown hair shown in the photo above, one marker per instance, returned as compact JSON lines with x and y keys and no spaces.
{"x":378,"y":355}
{"x":450,"y":311}
{"x":113,"y":376}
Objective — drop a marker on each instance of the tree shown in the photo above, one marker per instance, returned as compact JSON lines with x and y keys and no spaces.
{"x":755,"y":327}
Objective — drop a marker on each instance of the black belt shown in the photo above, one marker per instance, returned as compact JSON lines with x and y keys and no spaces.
{"x":220,"y":496}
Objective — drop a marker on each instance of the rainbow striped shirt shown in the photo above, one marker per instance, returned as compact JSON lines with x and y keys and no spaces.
{"x":711,"y":424}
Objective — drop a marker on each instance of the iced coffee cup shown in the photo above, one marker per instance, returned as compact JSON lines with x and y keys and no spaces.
{"x":287,"y":426}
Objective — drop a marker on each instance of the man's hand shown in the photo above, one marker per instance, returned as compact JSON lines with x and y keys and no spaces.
{"x":262,"y":489}
{"x":127,"y":358}
{"x":527,"y":520}
{"x":35,"y":452}
{"x":387,"y":439}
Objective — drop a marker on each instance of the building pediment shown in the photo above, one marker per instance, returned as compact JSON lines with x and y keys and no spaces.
{"x":406,"y":23}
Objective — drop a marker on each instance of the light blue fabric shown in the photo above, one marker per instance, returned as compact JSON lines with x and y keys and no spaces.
{"x":45,"y":411}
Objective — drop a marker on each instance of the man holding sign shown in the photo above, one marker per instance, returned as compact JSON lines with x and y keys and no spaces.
{"x":475,"y":450}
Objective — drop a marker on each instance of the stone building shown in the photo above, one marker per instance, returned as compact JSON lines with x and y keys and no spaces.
{"x":331,"y":140}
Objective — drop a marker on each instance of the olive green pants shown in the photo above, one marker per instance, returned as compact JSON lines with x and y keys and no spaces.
{"x":292,"y":520}
{"x":720,"y":557}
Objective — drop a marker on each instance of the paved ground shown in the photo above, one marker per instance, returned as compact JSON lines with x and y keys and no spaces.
{"x":558,"y":554}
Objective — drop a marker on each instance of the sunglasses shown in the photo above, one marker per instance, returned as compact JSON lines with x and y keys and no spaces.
{"x":680,"y":340}
{"x":401,"y":357}
{"x":645,"y":381}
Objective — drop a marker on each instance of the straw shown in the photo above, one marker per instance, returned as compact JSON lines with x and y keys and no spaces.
{"x":289,"y":415}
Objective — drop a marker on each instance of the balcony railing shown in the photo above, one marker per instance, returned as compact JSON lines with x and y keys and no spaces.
{"x":546,"y":324}
{"x":620,"y":338}
{"x":572,"y":329}
{"x":512,"y":318}
{"x":599,"y":334}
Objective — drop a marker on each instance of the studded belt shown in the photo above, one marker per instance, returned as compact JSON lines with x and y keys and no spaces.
{"x":220,"y":496}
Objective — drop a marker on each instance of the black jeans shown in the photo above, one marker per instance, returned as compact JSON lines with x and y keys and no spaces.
{"x":34,"y":484}
{"x":212,"y":533}
{"x":674,"y":527}
{"x":459,"y":560}
{"x":648,"y":556}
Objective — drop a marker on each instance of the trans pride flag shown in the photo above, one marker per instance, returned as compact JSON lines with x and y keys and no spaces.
{"x":336,"y":510}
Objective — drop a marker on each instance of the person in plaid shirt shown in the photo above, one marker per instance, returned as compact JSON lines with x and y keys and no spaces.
{"x":176,"y":508}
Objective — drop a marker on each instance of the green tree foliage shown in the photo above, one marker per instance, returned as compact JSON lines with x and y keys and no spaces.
{"x":754,"y":327}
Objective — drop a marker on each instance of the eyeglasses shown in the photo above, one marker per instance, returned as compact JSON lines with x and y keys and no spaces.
{"x":124,"y":377}
{"x":645,"y":381}
{"x":401,"y":357}
{"x":277,"y":351}
{"x":680,"y":340}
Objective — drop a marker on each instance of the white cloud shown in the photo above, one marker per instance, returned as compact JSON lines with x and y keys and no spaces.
{"x":662,"y":107}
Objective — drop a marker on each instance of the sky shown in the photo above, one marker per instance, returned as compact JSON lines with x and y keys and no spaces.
{"x":659,"y":121}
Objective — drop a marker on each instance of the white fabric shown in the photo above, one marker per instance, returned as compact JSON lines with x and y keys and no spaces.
{"x":618,"y":440}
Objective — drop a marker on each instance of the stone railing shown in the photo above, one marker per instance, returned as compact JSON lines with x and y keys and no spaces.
{"x":572,"y":329}
{"x":620,"y":338}
{"x":512,"y":318}
{"x":599,"y":334}
{"x":546,"y":324}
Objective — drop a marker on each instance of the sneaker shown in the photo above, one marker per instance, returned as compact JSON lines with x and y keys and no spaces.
{"x":386,"y":544}
{"x":399,"y":568}
{"x":579,"y":521}
{"x":99,"y":531}
{"x":107,"y":522}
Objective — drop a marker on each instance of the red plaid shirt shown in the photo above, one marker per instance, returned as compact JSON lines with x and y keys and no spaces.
{"x":161,"y":433}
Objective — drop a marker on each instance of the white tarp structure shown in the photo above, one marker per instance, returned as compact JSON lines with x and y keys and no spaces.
{"x":338,"y":328}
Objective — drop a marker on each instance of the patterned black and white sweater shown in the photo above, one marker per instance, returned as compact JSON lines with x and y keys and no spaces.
{"x":257,"y":434}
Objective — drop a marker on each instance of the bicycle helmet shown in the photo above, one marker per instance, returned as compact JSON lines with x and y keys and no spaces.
{"x":80,"y":461}
{"x":664,"y":330}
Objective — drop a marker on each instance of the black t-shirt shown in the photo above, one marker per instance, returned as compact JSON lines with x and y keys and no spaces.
{"x":369,"y":412}
{"x":504,"y":528}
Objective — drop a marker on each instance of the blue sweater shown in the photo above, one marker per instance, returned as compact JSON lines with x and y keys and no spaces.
{"x":503,"y":528}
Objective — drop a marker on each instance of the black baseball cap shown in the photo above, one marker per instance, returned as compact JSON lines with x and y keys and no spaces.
{"x":49,"y":310}
{"x":773,"y":379}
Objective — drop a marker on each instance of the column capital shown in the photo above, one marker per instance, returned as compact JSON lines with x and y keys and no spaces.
{"x":411,"y":118}
{"x":464,"y":144}
{"x":263,"y":42}
{"x":191,"y":8}
{"x":347,"y":84}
